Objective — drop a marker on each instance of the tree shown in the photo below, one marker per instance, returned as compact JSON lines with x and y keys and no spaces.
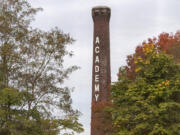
{"x":166,"y":42}
{"x":32,"y":75}
{"x":146,"y":97}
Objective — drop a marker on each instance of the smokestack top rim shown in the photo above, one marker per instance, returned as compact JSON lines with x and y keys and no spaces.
{"x":101,"y":7}
{"x":102,"y":11}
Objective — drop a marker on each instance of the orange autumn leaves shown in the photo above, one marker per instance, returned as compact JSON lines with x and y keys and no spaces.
{"x":165,"y":43}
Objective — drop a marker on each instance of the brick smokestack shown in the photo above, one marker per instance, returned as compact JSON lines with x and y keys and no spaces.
{"x":101,"y":74}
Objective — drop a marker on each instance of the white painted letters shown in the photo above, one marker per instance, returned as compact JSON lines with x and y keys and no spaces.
{"x":96,"y":97}
{"x":96,"y":78}
{"x":97,"y":49}
{"x":96,"y":68}
{"x":97,"y":59}
{"x":96,"y":87}
{"x":97,"y":40}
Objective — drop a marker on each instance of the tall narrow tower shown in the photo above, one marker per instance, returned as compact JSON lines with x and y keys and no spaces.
{"x":101,"y":77}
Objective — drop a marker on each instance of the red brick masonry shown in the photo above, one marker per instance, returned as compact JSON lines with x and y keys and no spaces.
{"x":101,"y":74}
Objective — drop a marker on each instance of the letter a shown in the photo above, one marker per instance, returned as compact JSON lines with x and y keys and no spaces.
{"x":97,"y":40}
{"x":97,"y":59}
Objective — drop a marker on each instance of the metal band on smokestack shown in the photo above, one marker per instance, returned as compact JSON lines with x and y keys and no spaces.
{"x":101,"y":77}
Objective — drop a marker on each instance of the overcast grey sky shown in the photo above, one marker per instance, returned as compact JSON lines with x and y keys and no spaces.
{"x":132,"y":22}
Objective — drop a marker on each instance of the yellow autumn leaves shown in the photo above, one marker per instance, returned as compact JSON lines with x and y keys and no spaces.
{"x":140,"y":60}
{"x":163,"y":84}
{"x":148,"y":50}
{"x":138,"y":69}
{"x":136,"y":61}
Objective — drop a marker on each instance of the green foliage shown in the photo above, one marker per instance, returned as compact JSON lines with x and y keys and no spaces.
{"x":150,"y":103}
{"x":33,"y":100}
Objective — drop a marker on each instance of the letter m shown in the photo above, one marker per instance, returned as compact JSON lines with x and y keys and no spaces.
{"x":96,"y":87}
